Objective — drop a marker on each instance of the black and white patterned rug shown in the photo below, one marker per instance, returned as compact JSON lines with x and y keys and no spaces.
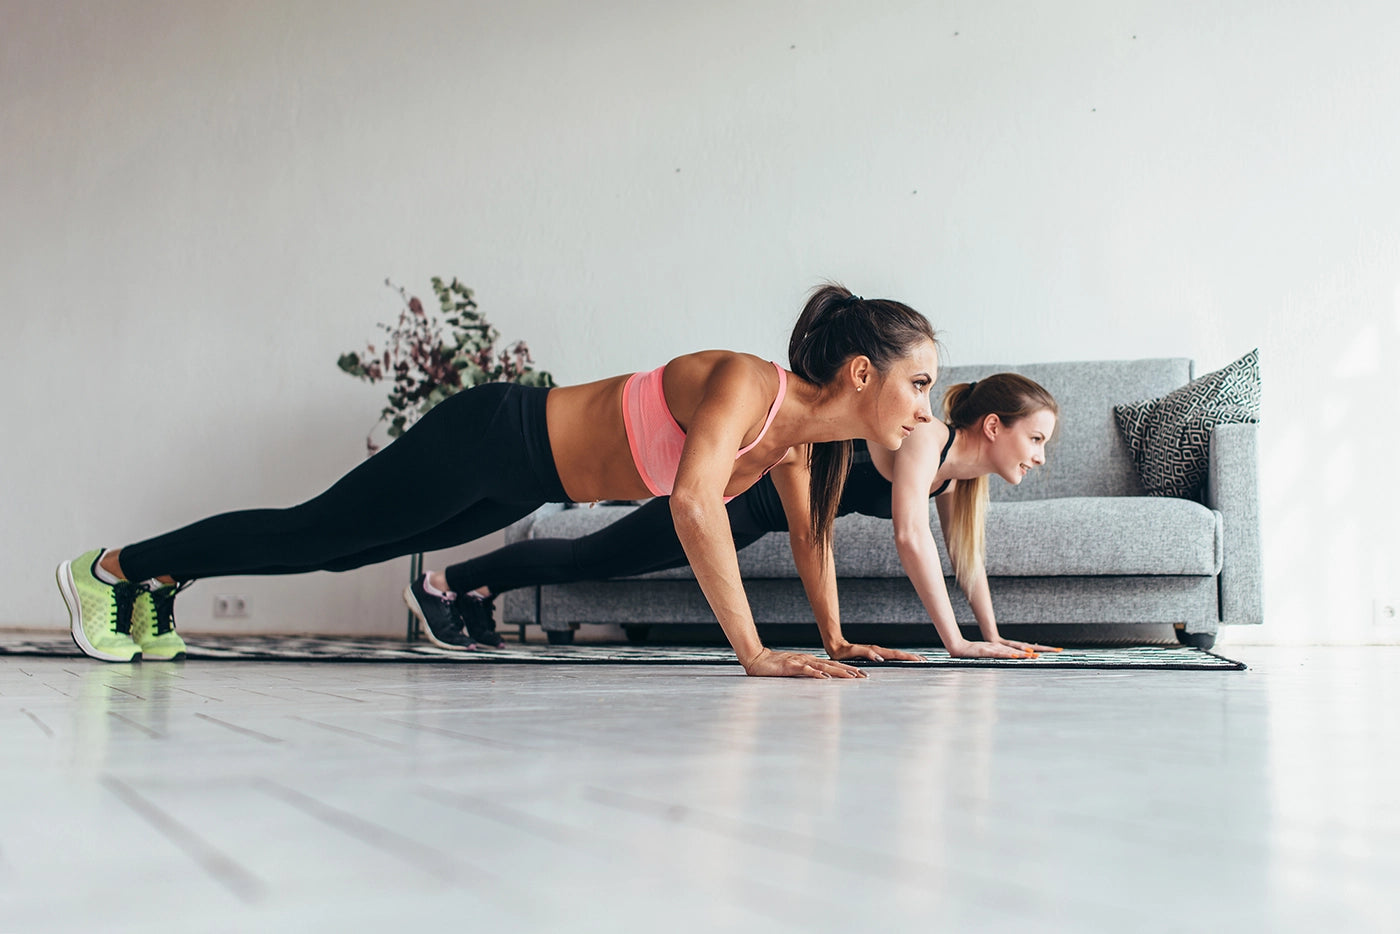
{"x":335,"y":649}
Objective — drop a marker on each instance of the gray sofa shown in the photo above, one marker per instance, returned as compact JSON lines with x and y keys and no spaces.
{"x":1077,"y":542}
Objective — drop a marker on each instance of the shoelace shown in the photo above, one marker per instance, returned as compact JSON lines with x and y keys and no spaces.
{"x":123,"y":599}
{"x":163,"y":598}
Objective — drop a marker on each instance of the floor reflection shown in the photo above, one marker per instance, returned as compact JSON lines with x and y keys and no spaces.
{"x":973,"y":799}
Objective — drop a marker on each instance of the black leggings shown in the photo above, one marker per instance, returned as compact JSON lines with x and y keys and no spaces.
{"x":642,"y":541}
{"x":645,"y":539}
{"x":473,"y":464}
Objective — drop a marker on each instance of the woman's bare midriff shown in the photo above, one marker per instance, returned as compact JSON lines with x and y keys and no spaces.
{"x":589,"y":442}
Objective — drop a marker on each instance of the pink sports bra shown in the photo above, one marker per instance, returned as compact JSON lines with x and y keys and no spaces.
{"x":655,"y":438}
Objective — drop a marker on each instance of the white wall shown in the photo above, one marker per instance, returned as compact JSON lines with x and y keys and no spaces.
{"x":199,"y":202}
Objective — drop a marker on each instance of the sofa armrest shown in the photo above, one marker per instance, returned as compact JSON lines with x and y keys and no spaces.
{"x":1232,"y":487}
{"x":519,"y":530}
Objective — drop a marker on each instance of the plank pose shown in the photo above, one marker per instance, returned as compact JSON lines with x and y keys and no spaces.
{"x":997,"y":425}
{"x":702,"y":428}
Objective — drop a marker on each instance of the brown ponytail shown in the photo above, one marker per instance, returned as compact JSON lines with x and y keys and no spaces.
{"x":834,"y":327}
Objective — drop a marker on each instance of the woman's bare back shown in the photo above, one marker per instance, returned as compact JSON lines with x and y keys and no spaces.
{"x":589,"y":439}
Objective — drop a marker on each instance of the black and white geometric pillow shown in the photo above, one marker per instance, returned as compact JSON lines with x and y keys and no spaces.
{"x":1169,"y":438}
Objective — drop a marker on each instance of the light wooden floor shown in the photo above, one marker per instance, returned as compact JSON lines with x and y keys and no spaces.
{"x":317,"y":797}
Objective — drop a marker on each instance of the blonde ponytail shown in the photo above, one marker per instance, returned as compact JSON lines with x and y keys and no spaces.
{"x":1009,"y":396}
{"x":967,"y":534}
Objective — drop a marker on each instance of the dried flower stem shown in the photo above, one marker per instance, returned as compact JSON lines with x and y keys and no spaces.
{"x":429,"y":358}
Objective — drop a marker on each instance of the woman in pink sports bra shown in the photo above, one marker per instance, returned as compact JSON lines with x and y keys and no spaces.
{"x":705,"y":427}
{"x":657,"y":441}
{"x":860,"y":369}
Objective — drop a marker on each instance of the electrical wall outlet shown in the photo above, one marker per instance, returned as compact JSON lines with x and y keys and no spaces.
{"x":230,"y":606}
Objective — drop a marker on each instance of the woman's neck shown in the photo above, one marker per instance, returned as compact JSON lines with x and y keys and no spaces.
{"x":967,"y":457}
{"x":811,"y":414}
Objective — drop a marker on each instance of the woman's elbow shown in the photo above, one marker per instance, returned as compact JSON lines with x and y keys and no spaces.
{"x":910,"y":543}
{"x":691,"y":510}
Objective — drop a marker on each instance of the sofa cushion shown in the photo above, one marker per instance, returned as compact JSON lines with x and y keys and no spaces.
{"x":1133,"y":535}
{"x":1087,"y":535}
{"x":1169,"y":437}
{"x":1136,"y":535}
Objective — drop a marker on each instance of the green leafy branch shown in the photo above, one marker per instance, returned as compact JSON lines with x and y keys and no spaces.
{"x":428,"y":357}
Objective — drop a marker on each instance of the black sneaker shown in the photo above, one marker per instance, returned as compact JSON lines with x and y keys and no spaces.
{"x":441,"y":623}
{"x":478,"y":616}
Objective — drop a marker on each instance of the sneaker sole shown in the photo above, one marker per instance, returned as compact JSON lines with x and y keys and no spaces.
{"x":425,"y":629}
{"x":177,"y":657}
{"x":69,"y":589}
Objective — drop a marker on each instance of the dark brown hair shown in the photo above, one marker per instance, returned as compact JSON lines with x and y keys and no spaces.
{"x":834,"y":327}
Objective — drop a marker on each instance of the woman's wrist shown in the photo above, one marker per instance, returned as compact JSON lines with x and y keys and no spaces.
{"x":749,"y":657}
{"x":955,"y":643}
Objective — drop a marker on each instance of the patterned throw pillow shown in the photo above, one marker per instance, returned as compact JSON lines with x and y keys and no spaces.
{"x":1169,"y":438}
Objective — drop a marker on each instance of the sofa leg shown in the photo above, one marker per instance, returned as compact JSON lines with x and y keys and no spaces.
{"x":560,"y":636}
{"x":637,"y":632}
{"x":1198,"y":640}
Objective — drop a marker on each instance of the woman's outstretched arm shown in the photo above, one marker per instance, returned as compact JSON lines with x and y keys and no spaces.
{"x":915,"y":467}
{"x":816,"y":565}
{"x":734,"y":400}
{"x":979,"y":594}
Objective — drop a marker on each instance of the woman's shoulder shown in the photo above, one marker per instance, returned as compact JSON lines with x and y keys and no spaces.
{"x":926,"y":441}
{"x":920,"y":457}
{"x":739,"y":385}
{"x":729,"y":369}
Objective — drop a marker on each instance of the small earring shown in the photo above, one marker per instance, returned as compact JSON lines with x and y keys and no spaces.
{"x":859,"y":388}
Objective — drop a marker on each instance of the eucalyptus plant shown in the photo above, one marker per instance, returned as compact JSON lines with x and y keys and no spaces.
{"x":429,"y":357}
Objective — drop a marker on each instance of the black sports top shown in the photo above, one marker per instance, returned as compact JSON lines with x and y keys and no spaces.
{"x":867,"y":491}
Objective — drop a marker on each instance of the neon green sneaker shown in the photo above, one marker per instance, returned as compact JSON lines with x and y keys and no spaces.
{"x":153,"y":624}
{"x":99,"y":613}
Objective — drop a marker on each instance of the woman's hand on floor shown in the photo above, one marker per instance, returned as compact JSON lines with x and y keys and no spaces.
{"x":874,"y":653}
{"x":1028,"y":646}
{"x":772,"y":664}
{"x":1002,"y":648}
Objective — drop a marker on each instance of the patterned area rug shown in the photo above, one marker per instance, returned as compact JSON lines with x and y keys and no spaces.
{"x":331,"y":649}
